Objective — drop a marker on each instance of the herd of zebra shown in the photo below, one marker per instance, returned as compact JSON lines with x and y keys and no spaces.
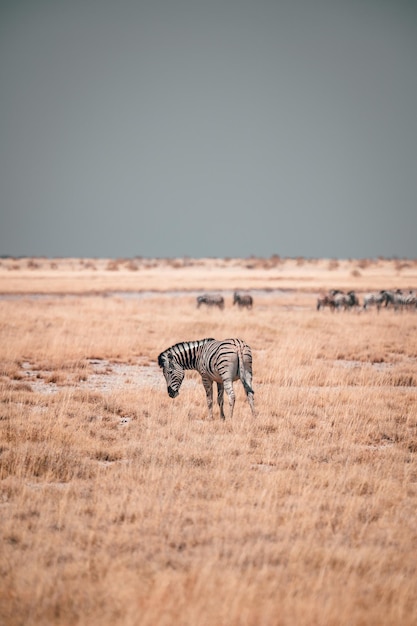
{"x":243,"y":300}
{"x":398,"y":300}
{"x":223,"y":362}
{"x":333,"y":299}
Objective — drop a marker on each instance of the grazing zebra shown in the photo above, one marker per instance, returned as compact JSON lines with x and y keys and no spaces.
{"x":393,"y":298}
{"x":390,"y":297}
{"x":243,"y":300}
{"x":325,"y":300}
{"x":411,"y":299}
{"x":377,"y":299}
{"x":346,"y":301}
{"x":210,"y":300}
{"x":404,"y":300}
{"x":217,"y":361}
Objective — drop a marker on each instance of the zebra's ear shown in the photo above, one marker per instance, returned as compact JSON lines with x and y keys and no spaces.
{"x":161,"y":360}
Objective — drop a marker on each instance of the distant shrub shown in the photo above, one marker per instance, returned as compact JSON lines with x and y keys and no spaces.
{"x":113,"y":265}
{"x":132,"y":265}
{"x":402,"y":265}
{"x":90,"y":265}
{"x":364,"y":263}
{"x":275,"y":260}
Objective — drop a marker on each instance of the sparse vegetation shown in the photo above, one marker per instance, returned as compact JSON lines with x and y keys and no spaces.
{"x":119,"y":505}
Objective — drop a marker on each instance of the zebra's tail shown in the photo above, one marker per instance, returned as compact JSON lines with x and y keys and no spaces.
{"x":244,"y":374}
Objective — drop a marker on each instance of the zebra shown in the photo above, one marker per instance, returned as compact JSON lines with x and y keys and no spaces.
{"x":217,"y":361}
{"x":325,"y":300}
{"x":346,"y":301}
{"x":390,"y":297}
{"x":243,"y":300}
{"x":411,"y":299}
{"x":210,"y":300}
{"x":393,"y":298}
{"x":375,"y":298}
{"x":404,"y":300}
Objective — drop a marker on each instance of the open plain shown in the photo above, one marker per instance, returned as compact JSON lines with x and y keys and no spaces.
{"x":121,"y":506}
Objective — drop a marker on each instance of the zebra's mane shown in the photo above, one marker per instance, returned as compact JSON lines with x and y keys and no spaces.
{"x":183,"y":349}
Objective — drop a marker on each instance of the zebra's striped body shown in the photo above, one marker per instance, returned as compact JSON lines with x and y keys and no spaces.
{"x":325,"y":300}
{"x":390,"y":297}
{"x":243,"y":301}
{"x":345,"y":300}
{"x":221,"y":362}
{"x":404,"y":300}
{"x":377,"y":299}
{"x":210,"y":300}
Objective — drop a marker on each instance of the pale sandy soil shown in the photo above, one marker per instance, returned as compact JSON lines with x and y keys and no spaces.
{"x":106,"y":377}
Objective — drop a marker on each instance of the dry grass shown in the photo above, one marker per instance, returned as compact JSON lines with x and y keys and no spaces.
{"x":121,"y":506}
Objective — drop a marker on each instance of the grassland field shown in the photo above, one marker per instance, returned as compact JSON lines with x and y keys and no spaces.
{"x":120,"y":506}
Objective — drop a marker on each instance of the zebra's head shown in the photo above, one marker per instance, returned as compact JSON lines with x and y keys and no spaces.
{"x":173,"y":372}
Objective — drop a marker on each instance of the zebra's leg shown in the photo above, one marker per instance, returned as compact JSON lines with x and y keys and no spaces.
{"x":220,"y":399}
{"x":208,"y":386}
{"x":247,"y":385}
{"x":251,"y":402}
{"x":228,"y":387}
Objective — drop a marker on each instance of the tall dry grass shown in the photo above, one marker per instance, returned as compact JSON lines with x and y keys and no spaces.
{"x":119,"y":505}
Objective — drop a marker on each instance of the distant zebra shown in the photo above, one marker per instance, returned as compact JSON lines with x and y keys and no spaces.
{"x":210,"y":300}
{"x":404,"y":300}
{"x":243,"y":300}
{"x":390,"y":297}
{"x":325,"y":300}
{"x":217,"y":361}
{"x":377,"y":299}
{"x":345,"y":300}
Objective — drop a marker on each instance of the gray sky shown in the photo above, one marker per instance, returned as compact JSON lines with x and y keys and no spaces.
{"x":196,"y":128}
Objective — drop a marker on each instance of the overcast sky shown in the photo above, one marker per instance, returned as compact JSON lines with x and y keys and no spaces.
{"x":220,"y":128}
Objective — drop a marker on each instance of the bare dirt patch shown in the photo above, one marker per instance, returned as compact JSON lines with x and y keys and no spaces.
{"x":106,"y":377}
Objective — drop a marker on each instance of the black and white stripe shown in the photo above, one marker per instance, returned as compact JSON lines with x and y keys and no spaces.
{"x":210,"y":300}
{"x":221,"y":362}
{"x":404,"y":300}
{"x":243,"y":300}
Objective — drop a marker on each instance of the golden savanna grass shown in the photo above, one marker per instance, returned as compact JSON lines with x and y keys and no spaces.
{"x":119,"y":505}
